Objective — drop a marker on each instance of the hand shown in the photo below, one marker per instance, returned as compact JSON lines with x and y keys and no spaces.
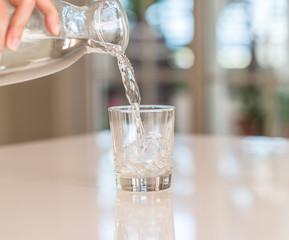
{"x":11,"y":31}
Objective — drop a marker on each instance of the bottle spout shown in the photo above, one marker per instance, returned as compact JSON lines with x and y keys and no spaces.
{"x":112,"y":24}
{"x":103,"y":21}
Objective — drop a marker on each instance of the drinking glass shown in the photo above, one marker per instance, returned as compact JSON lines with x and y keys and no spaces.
{"x":142,"y":146}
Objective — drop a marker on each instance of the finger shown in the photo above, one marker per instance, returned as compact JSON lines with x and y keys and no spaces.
{"x":51,"y":15}
{"x":17,"y":23}
{"x":4,"y":17}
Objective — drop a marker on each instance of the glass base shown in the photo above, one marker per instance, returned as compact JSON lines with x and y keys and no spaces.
{"x":146,"y":184}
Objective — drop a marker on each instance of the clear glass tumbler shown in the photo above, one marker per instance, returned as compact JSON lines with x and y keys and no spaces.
{"x":143,"y":151}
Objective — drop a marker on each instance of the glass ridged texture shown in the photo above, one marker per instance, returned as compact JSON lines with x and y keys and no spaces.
{"x":143,"y":162}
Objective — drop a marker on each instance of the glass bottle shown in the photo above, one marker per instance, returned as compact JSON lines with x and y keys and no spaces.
{"x":101,"y":27}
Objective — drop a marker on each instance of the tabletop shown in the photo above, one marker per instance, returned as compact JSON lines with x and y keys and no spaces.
{"x":223,"y":188}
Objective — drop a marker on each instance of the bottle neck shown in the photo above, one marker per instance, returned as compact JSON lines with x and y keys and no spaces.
{"x":102,"y":21}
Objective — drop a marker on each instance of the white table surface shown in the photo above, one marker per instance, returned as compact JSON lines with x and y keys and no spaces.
{"x":223,"y":189}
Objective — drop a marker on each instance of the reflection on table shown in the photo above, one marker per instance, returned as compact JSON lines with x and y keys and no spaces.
{"x":144,"y":216}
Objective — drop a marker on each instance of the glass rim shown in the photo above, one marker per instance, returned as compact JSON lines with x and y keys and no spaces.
{"x":143,"y":108}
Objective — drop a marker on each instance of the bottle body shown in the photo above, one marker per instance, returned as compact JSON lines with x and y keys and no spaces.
{"x":100,"y":28}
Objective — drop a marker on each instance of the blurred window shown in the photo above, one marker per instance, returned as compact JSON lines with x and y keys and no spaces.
{"x":233,"y":36}
{"x":175,"y":21}
{"x":253,"y":30}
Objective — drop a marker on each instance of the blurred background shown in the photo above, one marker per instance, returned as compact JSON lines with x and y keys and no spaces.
{"x":222,"y":63}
